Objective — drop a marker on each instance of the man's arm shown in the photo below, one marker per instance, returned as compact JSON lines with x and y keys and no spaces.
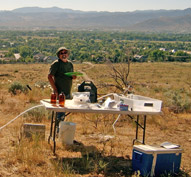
{"x":52,"y":83}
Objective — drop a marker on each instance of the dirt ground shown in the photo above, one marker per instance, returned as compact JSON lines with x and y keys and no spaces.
{"x":95,"y":135}
{"x":98,"y":151}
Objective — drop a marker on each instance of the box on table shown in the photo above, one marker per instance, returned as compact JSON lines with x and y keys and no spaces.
{"x":139,"y":103}
{"x":155,"y":161}
{"x":30,"y":129}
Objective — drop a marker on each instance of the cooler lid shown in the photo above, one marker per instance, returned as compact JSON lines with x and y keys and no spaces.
{"x":148,"y":149}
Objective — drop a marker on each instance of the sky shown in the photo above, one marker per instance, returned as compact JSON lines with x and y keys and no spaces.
{"x":99,"y":5}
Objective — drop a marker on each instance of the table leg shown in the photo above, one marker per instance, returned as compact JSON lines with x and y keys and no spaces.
{"x":137,"y":129}
{"x":54,"y":134}
{"x":144,"y":128}
{"x":53,"y":129}
{"x":51,"y":126}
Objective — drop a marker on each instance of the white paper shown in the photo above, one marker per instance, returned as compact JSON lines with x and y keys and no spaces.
{"x":168,"y":145}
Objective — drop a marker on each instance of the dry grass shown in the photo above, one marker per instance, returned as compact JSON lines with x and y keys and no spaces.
{"x":94,"y":155}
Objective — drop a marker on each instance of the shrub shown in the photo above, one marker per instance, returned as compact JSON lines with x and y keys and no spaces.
{"x":17,"y":88}
{"x":36,"y":115}
{"x":179,"y":101}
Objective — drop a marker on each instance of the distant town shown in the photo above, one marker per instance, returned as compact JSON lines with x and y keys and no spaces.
{"x":94,"y":46}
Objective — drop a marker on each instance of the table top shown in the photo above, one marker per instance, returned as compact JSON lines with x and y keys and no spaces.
{"x":71,"y":106}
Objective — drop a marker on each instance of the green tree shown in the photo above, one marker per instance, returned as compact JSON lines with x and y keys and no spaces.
{"x":25,"y":51}
{"x":181,"y":56}
{"x":157,"y":55}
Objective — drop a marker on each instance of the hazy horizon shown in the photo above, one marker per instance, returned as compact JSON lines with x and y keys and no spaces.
{"x":99,"y":5}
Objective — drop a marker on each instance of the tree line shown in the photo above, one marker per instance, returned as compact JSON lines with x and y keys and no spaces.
{"x":98,"y":46}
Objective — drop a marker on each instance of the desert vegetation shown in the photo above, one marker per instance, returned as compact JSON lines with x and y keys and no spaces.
{"x":99,"y":151}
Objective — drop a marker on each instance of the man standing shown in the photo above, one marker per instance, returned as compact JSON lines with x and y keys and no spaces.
{"x":57,"y":78}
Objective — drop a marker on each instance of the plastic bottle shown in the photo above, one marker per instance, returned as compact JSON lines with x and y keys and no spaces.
{"x":62,"y":99}
{"x":53,"y":98}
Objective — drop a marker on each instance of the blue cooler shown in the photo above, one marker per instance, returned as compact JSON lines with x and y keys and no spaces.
{"x":154,"y":160}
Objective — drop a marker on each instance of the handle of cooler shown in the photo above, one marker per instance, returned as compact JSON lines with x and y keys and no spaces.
{"x":148,"y":104}
{"x":138,"y":156}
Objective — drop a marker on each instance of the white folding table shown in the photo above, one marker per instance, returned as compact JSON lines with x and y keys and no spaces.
{"x":70,"y":107}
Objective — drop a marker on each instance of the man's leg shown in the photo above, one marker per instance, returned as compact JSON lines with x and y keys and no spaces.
{"x":61,"y":115}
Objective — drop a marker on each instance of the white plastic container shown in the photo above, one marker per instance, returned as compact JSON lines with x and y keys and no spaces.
{"x":81,"y":97}
{"x":139,"y":103}
{"x":66,"y":132}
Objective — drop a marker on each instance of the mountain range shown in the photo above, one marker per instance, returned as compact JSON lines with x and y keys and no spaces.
{"x":36,"y":18}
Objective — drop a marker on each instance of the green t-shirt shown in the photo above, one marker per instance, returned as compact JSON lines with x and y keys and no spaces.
{"x":63,"y":83}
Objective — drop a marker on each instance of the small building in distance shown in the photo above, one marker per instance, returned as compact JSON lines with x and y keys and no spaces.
{"x":17,"y":56}
{"x":49,"y":59}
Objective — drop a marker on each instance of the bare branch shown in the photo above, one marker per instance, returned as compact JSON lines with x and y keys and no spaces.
{"x":120,"y":72}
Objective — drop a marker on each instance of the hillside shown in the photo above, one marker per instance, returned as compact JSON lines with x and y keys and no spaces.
{"x":174,"y":24}
{"x":100,"y":151}
{"x":149,"y":20}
